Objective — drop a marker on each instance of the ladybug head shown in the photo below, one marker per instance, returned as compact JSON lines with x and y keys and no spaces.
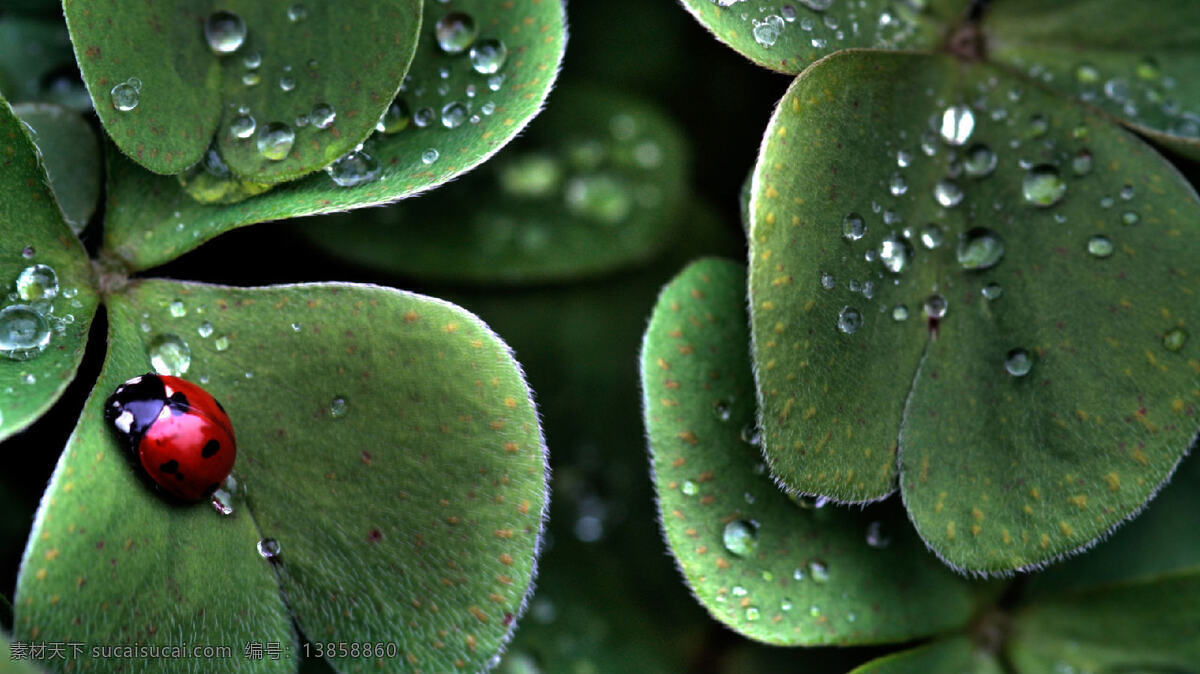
{"x":134,"y":406}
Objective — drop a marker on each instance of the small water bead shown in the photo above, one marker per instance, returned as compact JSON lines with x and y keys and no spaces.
{"x":957,"y":123}
{"x":275,"y":140}
{"x":817,"y":5}
{"x":1129,"y":218}
{"x":894,"y":253}
{"x":1174,"y":339}
{"x":1127,"y":192}
{"x":767,"y":31}
{"x":28,"y":252}
{"x":897,"y":186}
{"x":286,"y":83}
{"x":1018,"y":362}
{"x":297,"y":13}
{"x":323,"y":115}
{"x":24,"y":332}
{"x":751,"y":614}
{"x":849,"y":320}
{"x":786,"y":605}
{"x":1106,"y":202}
{"x":1042,"y":186}
{"x":125,"y":95}
{"x":1087,"y":73}
{"x":243,"y":126}
{"x":338,"y":407}
{"x":932,"y":236}
{"x":740,"y":537}
{"x":1082,"y":162}
{"x":689,"y":488}
{"x":947,"y":193}
{"x":991,"y":291}
{"x":751,"y":435}
{"x":739,"y":591}
{"x":935,"y":306}
{"x":251,"y":79}
{"x":269,"y":549}
{"x":225,"y":32}
{"x":598,"y":197}
{"x":877,"y":537}
{"x":205,"y":330}
{"x":252,"y":60}
{"x":980,"y":161}
{"x":1100,"y":246}
{"x":221,"y":343}
{"x":455,"y":32}
{"x":854,"y":227}
{"x":169,"y":355}
{"x":1038,"y":125}
{"x":980,"y":248}
{"x":818,"y":571}
{"x":395,"y":118}
{"x":1117,"y":89}
{"x":798,"y":574}
{"x":903,"y":158}
{"x":827,"y":281}
{"x":488,"y":56}
{"x":37,"y":283}
{"x":177,"y":309}
{"x":899,"y":313}
{"x":454,"y":114}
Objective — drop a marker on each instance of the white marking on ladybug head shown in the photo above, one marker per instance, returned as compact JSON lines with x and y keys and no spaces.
{"x":124,"y":421}
{"x":135,"y":380}
{"x":165,"y":413}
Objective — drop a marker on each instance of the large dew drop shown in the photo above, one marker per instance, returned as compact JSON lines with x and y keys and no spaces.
{"x":24,"y":332}
{"x":455,"y":32}
{"x":894,"y":253}
{"x":169,"y":355}
{"x":980,"y":248}
{"x":454,"y":114}
{"x":37,"y":283}
{"x":767,"y":31}
{"x":488,"y":56}
{"x":741,"y":537}
{"x":1042,"y":186}
{"x":242,"y":126}
{"x":125,"y":95}
{"x":355,"y":168}
{"x":275,"y":140}
{"x":957,"y":124}
{"x":225,"y":32}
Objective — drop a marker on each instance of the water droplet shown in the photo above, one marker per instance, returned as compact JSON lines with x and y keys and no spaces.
{"x":739,"y":591}
{"x":323,"y":115}
{"x":124,"y":96}
{"x":454,"y":114}
{"x":488,"y":56}
{"x":37,"y":283}
{"x":599,"y":197}
{"x":751,"y":614}
{"x":689,"y":488}
{"x":252,"y":60}
{"x":932,"y":236}
{"x":28,"y":252}
{"x":896,"y":185}
{"x":1042,"y":186}
{"x":853,"y":227}
{"x":395,"y":118}
{"x":798,"y":574}
{"x":722,"y":410}
{"x":1018,"y":362}
{"x":205,"y":329}
{"x":1127,"y":192}
{"x":1100,"y":246}
{"x":177,"y":309}
{"x":894,"y":253}
{"x":1087,"y":73}
{"x":251,"y":79}
{"x":297,"y":13}
{"x":1038,"y":125}
{"x":1174,"y":339}
{"x":767,"y":31}
{"x":751,"y":435}
{"x":849,"y":320}
{"x":957,"y":124}
{"x":355,"y":168}
{"x":947,"y":193}
{"x":242,"y":126}
{"x":980,"y":248}
{"x":1117,"y":89}
{"x":818,"y":571}
{"x":992,"y":291}
{"x":429,"y":156}
{"x":338,"y":407}
{"x":741,"y":537}
{"x":455,"y":32}
{"x":269,"y":548}
{"x":899,"y":313}
{"x":169,"y":355}
{"x":275,"y":140}
{"x":935,"y":306}
{"x":876,"y":536}
{"x":287,"y":83}
{"x":1147,"y":69}
{"x":980,"y":161}
{"x":1082,"y":162}
{"x":225,"y":32}
{"x":221,"y":343}
{"x":24,"y":332}
{"x":817,"y":5}
{"x":1129,"y":218}
{"x":827,"y":281}
{"x":786,"y":605}
{"x":903,"y":158}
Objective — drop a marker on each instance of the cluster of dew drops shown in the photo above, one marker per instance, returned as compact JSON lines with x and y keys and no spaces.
{"x":740,"y":536}
{"x":456,"y":34}
{"x":771,"y":20}
{"x":980,"y":248}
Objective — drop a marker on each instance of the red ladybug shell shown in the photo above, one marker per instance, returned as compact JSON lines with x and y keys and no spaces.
{"x":179,"y":433}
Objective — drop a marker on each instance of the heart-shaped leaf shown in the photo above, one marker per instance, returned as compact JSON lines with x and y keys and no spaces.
{"x":1139,"y":66}
{"x":598,"y":183}
{"x":150,"y":219}
{"x":71,"y":154}
{"x":178,"y":74}
{"x":787,"y":35}
{"x":955,"y":655}
{"x":387,"y":445}
{"x":1008,"y":275}
{"x":775,"y":569}
{"x":47,"y":297}
{"x":1153,"y":625}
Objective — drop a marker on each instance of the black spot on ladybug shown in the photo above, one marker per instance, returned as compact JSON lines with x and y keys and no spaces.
{"x":210,"y":448}
{"x":178,"y":404}
{"x":171,"y":466}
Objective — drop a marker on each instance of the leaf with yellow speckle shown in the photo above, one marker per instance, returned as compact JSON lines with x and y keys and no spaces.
{"x":443,"y":127}
{"x":776,"y":569}
{"x":1147,"y":626}
{"x":1138,"y":66}
{"x":50,"y":306}
{"x":954,"y":655}
{"x":176,"y":76}
{"x":788,"y":35}
{"x":597,"y":184}
{"x":386,"y":441}
{"x":992,"y":283}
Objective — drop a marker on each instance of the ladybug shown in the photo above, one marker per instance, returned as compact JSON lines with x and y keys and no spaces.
{"x":180,"y":434}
